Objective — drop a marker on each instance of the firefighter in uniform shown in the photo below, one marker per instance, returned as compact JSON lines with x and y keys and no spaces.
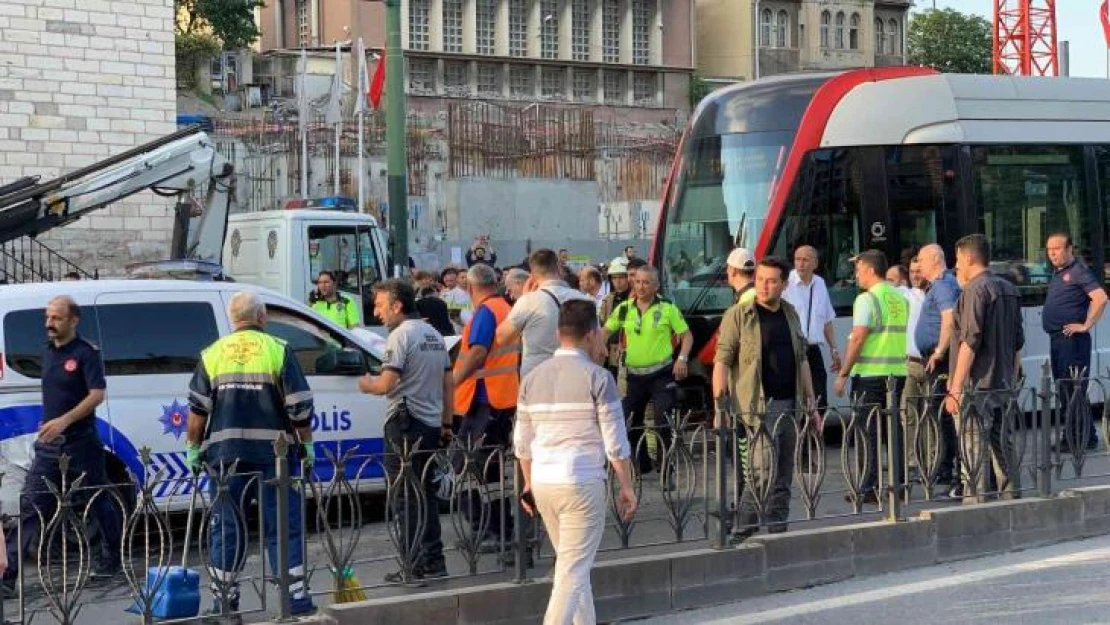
{"x":248,"y":390}
{"x":486,"y":383}
{"x":650,"y":324}
{"x":876,"y":352}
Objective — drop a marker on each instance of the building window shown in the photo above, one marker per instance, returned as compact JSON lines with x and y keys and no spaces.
{"x":419,"y":17}
{"x":641,"y":31}
{"x":826,"y":18}
{"x":585,"y":85}
{"x":895,"y":41}
{"x":522,"y":80}
{"x":304,"y":27}
{"x":422,"y":74}
{"x":454,"y":75}
{"x":766,"y":22}
{"x":611,"y":31}
{"x":553,"y":82}
{"x":643,"y":88}
{"x":580,"y":31}
{"x":880,"y":37}
{"x":518,"y":28}
{"x":489,"y":79}
{"x":853,"y":32}
{"x":452,"y":25}
{"x":839,"y":37}
{"x":614,"y":87}
{"x":782,"y":27}
{"x":485,"y":26}
{"x":549,"y":32}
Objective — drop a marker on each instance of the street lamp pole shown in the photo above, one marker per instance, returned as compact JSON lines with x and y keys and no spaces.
{"x":395,"y":137}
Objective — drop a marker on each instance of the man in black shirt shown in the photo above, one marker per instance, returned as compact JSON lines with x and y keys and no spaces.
{"x":72,"y":387}
{"x":767,"y":350}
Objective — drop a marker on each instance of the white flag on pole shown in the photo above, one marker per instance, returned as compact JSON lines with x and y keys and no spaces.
{"x":363,"y":80}
{"x":302,"y":94}
{"x":335,"y":100}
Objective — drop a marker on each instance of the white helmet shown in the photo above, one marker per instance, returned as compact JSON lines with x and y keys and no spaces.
{"x":618,"y":266}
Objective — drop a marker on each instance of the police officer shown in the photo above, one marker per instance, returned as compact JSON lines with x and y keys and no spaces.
{"x":247,"y":391}
{"x":416,"y":378}
{"x":1072,"y":308}
{"x":650,"y":324}
{"x":329,"y":302}
{"x":876,"y":352}
{"x":72,"y":387}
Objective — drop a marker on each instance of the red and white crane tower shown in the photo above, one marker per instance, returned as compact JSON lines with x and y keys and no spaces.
{"x":1025,"y":41}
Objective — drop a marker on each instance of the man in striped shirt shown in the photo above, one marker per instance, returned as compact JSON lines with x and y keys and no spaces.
{"x":569,"y":426}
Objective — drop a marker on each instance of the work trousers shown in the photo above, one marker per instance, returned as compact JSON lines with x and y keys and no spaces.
{"x":86,"y":457}
{"x":870,"y":397}
{"x":407,"y":506}
{"x":993,"y":460}
{"x":1068,"y":353}
{"x":574,"y":516}
{"x":228,"y":539}
{"x":771,"y":467}
{"x":660,"y":389}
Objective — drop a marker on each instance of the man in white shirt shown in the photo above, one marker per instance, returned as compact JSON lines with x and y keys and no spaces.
{"x":807,"y":293}
{"x":917,"y":386}
{"x":590,"y":283}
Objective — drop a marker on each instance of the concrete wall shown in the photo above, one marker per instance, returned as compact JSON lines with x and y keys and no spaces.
{"x":650,"y":585}
{"x":81,"y":80}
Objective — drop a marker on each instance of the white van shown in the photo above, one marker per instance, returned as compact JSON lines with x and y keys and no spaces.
{"x":150,"y":334}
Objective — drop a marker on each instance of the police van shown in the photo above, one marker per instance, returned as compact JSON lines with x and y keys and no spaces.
{"x":150,"y":334}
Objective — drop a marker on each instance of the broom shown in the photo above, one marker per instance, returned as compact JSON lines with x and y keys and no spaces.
{"x":347,"y":586}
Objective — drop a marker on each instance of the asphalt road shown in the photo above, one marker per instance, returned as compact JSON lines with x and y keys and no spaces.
{"x":1059,"y":585}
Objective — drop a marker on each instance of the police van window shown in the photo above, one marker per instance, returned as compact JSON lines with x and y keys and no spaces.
{"x":824,"y":210}
{"x":25,"y":338}
{"x":314,"y":345}
{"x":1023,"y":194}
{"x":162,"y":338}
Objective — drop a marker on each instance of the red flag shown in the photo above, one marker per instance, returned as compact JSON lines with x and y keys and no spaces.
{"x":1105,"y":15}
{"x":377,"y":84}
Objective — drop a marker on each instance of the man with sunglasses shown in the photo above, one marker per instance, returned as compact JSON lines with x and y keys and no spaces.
{"x":650,"y":325}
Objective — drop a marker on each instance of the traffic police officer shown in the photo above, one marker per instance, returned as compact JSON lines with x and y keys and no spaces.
{"x":248,"y":390}
{"x":876,"y":352}
{"x":332,"y":304}
{"x":650,"y":324}
{"x":1072,"y":308}
{"x":72,"y":387}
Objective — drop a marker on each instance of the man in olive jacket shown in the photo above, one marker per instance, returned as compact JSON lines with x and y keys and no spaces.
{"x":761,"y":362}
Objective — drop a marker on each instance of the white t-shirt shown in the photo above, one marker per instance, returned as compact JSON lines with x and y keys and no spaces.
{"x":536,"y":315}
{"x":811,"y":315}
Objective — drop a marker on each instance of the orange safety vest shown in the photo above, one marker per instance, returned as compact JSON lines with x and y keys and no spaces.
{"x":500,"y":371}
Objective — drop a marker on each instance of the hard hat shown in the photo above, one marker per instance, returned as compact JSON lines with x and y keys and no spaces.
{"x":618,"y":266}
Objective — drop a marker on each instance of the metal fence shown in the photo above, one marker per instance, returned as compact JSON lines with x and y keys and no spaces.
{"x":713,"y":481}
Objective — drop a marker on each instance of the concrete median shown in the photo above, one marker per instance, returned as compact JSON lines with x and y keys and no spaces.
{"x":649,"y":585}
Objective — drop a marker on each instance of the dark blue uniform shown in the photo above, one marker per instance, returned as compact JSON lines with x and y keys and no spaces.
{"x":1068,"y":300}
{"x":69,"y":372}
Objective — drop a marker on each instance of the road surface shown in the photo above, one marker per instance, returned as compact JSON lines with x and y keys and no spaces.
{"x":1059,"y":585}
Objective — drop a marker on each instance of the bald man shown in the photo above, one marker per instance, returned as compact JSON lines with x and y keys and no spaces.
{"x":932,"y":336}
{"x":807,"y":293}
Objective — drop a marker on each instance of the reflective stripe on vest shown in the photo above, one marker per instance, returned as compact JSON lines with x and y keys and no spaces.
{"x":500,"y":370}
{"x":884,"y":350}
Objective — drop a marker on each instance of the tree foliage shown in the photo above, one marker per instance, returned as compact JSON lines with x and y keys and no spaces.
{"x":950,"y":41}
{"x":699,"y":88}
{"x":231,"y":22}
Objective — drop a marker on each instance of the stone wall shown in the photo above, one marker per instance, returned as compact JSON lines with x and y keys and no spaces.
{"x":81,"y":80}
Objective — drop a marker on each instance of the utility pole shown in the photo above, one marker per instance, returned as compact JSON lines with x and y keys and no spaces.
{"x":395,"y":137}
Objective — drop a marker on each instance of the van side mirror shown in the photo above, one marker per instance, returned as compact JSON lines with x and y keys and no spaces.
{"x":341,"y":362}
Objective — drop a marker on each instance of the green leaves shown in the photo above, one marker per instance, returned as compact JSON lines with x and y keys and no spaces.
{"x":230,"y":22}
{"x":950,"y":41}
{"x":699,"y":88}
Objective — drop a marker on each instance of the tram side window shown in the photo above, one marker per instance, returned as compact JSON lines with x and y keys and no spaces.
{"x":1102,"y":158}
{"x":1023,"y":194}
{"x":919,"y":181}
{"x":824,"y":211}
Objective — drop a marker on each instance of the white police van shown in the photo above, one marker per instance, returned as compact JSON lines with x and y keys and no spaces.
{"x":150,"y":334}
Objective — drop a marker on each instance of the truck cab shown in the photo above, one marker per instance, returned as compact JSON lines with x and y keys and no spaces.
{"x":285,"y":250}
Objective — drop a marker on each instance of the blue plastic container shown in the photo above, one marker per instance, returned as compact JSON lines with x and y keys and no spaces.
{"x":177,"y":597}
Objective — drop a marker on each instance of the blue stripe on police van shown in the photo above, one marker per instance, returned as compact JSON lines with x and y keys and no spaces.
{"x":365,"y":462}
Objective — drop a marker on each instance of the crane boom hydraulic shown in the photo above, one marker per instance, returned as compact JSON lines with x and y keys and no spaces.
{"x":173,"y":166}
